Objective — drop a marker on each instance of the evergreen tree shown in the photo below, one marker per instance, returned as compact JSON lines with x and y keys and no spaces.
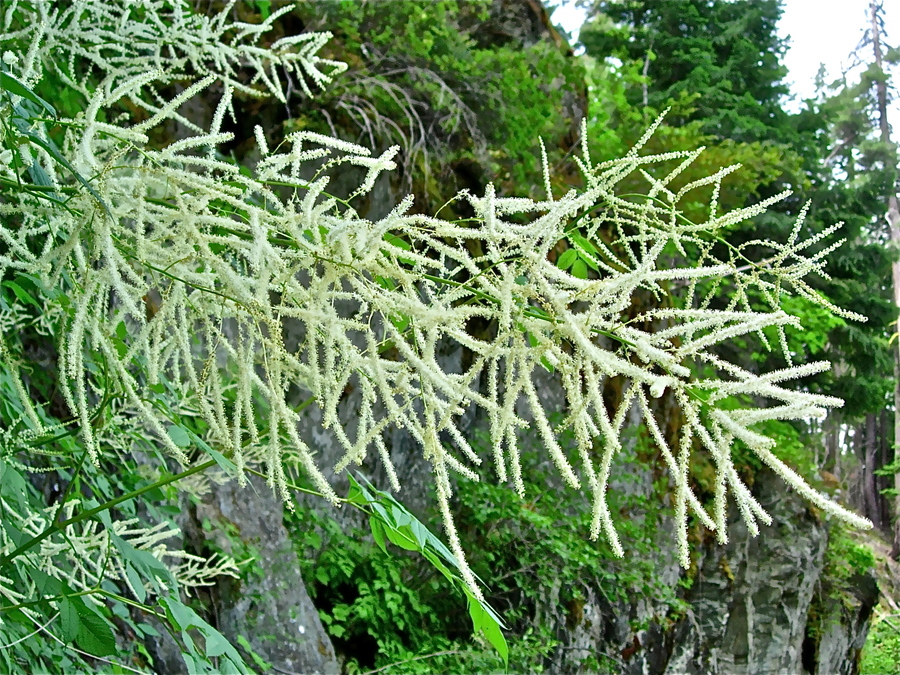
{"x":717,"y":65}
{"x":726,"y":54}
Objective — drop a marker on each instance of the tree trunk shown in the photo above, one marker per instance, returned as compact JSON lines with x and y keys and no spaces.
{"x":870,"y":490}
{"x":893,"y":219}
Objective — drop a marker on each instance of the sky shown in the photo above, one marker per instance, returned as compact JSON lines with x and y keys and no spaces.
{"x":820,"y":31}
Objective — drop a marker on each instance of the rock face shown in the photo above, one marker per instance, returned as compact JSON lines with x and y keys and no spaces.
{"x":270,"y":607}
{"x":844,"y":624}
{"x":751,"y":597}
{"x":754,"y":607}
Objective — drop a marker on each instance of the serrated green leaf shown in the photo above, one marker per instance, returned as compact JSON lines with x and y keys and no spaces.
{"x":401,"y":516}
{"x":45,"y":584}
{"x":484,"y":620}
{"x":216,"y":644}
{"x":184,"y":618}
{"x":69,"y":623}
{"x":95,"y":635}
{"x":419,"y":531}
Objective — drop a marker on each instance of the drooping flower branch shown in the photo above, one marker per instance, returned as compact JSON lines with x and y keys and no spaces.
{"x":234,"y":259}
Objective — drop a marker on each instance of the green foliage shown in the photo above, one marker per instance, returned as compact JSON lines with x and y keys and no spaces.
{"x":391,"y":522}
{"x":452,"y":83}
{"x":380,"y":610}
{"x":845,"y":559}
{"x":717,"y":65}
{"x":881,"y":653}
{"x":64,"y":599}
{"x":726,"y":54}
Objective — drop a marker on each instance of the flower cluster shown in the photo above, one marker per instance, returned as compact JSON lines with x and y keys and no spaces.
{"x":235,"y":262}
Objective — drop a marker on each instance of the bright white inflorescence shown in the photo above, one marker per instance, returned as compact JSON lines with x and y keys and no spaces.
{"x":235,"y":258}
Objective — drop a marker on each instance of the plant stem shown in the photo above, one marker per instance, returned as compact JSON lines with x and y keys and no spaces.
{"x":90,"y":513}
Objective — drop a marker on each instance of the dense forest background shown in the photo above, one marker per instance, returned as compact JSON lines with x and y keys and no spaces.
{"x":467,"y":88}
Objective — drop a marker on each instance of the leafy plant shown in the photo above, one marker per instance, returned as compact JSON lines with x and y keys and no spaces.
{"x":165,"y":278}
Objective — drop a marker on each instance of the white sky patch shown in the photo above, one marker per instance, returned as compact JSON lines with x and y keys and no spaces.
{"x":827,"y":32}
{"x":820,"y":31}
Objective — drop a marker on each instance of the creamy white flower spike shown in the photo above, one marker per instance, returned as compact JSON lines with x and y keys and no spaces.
{"x":271,"y":288}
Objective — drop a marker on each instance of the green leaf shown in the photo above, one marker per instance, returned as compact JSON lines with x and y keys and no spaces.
{"x":69,"y":623}
{"x":13,"y":485}
{"x":147,"y":629}
{"x":14,"y":86}
{"x":260,"y":662}
{"x":394,"y":240}
{"x":44,"y":583}
{"x":143,"y":562}
{"x":121,"y":347}
{"x":95,"y":635}
{"x":419,"y":532}
{"x":579,"y":269}
{"x":400,"y":321}
{"x":484,"y":620}
{"x":377,"y":532}
{"x":121,"y":330}
{"x":40,"y":177}
{"x":216,"y":644}
{"x":583,"y":243}
{"x":404,"y":530}
{"x":192,"y":667}
{"x":567,"y":259}
{"x":224,"y":463}
{"x":179,"y":435}
{"x":401,"y":539}
{"x":264,"y":7}
{"x":21,"y":293}
{"x":386,"y":283}
{"x":401,"y":516}
{"x":183,"y":618}
{"x":136,"y":583}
